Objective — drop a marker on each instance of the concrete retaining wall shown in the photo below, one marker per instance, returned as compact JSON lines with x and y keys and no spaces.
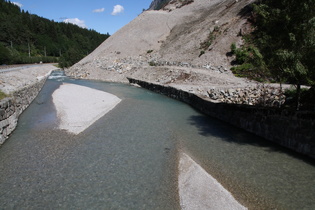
{"x":12,"y":107}
{"x":294,"y":130}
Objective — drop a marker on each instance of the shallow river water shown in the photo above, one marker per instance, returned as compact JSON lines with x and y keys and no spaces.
{"x":128,"y":159}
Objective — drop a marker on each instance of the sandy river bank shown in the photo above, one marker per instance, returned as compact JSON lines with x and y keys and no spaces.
{"x":78,"y":107}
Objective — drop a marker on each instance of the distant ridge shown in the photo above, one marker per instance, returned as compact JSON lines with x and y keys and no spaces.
{"x":29,"y":38}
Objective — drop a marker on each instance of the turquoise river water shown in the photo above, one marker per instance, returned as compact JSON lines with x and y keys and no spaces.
{"x":128,"y":159}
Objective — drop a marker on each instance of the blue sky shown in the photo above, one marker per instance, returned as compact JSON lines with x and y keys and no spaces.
{"x":101,"y":15}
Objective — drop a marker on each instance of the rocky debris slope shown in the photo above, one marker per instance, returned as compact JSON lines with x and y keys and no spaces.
{"x":175,"y":36}
{"x":260,"y":95}
{"x":184,"y":45}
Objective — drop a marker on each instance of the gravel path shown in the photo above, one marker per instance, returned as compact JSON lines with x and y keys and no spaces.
{"x":12,"y":81}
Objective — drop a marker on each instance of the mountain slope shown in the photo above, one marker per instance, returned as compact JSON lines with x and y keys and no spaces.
{"x":28,"y":38}
{"x":194,"y":37}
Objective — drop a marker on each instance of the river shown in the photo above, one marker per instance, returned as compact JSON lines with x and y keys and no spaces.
{"x":128,"y":159}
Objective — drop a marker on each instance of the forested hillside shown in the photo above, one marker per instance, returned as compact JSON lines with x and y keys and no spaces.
{"x":28,"y":38}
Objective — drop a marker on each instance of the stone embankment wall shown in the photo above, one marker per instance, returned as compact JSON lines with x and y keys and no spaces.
{"x":12,"y":107}
{"x":294,"y":130}
{"x":261,"y":95}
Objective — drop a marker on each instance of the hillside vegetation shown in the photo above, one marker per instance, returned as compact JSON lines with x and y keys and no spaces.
{"x":28,"y":38}
{"x":281,"y":47}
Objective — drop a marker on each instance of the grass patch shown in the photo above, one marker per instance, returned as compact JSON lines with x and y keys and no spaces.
{"x":3,"y":95}
{"x":152,"y":63}
{"x":201,"y":53}
{"x":211,"y":37}
{"x":249,"y":63}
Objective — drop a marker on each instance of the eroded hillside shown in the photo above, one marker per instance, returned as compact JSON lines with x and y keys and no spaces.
{"x":185,"y":43}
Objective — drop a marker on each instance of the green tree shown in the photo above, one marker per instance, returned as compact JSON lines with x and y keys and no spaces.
{"x":285,"y":35}
{"x":71,"y":57}
{"x":4,"y":55}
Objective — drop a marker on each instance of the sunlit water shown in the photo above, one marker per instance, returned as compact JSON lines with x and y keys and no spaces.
{"x":128,"y":158}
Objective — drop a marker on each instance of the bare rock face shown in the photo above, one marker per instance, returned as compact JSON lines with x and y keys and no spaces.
{"x":168,"y":4}
{"x":158,"y":4}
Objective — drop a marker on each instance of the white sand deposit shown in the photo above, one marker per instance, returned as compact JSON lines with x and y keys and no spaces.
{"x":78,"y":107}
{"x":199,"y":190}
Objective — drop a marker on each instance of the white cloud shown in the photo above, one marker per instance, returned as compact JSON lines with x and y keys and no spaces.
{"x":75,"y":21}
{"x":99,"y":10}
{"x":17,"y":4}
{"x":118,"y":9}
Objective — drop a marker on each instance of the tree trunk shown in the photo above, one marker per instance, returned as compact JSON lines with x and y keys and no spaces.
{"x":312,"y":91}
{"x":298,"y":97}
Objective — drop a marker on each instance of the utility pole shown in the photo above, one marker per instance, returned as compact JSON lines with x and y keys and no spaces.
{"x":60,"y":53}
{"x":45,"y":50}
{"x":11,"y":44}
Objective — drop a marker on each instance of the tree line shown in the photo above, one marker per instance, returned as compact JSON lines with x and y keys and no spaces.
{"x":28,"y":38}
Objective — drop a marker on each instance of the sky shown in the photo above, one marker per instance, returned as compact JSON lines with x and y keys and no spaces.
{"x":104,"y":16}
